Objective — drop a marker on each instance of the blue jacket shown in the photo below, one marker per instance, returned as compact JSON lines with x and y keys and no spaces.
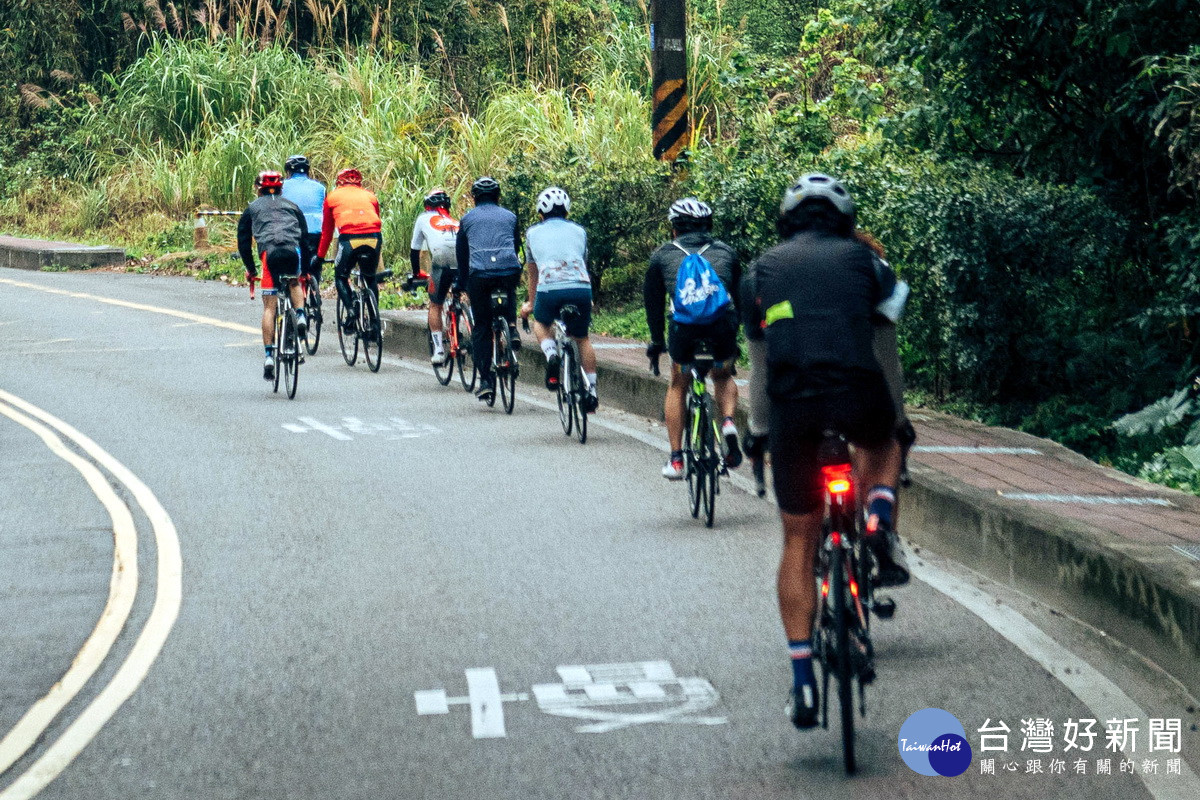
{"x":488,"y":241}
{"x":309,"y":195}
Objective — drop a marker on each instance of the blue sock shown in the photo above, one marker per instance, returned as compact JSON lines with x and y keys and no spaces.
{"x":881,"y":502}
{"x":270,"y":348}
{"x":802,"y":666}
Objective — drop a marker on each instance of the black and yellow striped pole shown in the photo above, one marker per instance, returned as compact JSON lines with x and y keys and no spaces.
{"x":668,"y":65}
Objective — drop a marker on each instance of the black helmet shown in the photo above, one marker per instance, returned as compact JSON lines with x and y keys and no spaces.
{"x":295,"y":164}
{"x":485,"y":186}
{"x":437,"y":198}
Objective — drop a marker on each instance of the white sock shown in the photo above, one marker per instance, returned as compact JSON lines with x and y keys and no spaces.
{"x":437,"y":340}
{"x":591,"y":376}
{"x":548,"y":348}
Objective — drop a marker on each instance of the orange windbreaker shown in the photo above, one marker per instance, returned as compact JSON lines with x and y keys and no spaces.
{"x":350,"y":209}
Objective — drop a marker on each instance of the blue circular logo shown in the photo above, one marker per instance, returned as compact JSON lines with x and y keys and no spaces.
{"x":933,"y":742}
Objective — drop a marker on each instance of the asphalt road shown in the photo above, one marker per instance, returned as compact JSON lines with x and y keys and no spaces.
{"x":348,"y":556}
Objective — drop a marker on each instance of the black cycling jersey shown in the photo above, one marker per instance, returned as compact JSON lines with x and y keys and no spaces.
{"x":813,"y":298}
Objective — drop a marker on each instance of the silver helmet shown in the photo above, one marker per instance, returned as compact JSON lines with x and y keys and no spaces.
{"x":690,"y":208}
{"x":553,"y":196}
{"x":817,"y":186}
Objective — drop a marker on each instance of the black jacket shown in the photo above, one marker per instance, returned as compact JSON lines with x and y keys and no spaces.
{"x":664,"y":265}
{"x":274,"y":224}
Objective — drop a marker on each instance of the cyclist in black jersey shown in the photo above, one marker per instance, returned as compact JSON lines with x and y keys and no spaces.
{"x":811,"y":300}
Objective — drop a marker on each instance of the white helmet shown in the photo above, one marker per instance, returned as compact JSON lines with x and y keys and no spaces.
{"x":816,"y":186}
{"x":688,"y":207}
{"x":553,"y":196}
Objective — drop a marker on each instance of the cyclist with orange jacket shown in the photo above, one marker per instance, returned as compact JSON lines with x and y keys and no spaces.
{"x":354,"y":211}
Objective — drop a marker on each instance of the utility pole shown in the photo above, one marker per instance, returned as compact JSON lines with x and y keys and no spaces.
{"x":668,"y":67}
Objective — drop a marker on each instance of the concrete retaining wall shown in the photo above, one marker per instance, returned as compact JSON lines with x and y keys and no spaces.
{"x":35,"y":254}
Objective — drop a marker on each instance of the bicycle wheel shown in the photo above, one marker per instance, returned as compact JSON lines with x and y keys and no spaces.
{"x":444,"y":371}
{"x":712,"y":477}
{"x":691,"y":462}
{"x":347,"y":341}
{"x":372,"y":332}
{"x":564,"y":393}
{"x":278,"y":349}
{"x":291,"y":354}
{"x":312,"y":309}
{"x":578,"y":393}
{"x":842,"y":662}
{"x":506,"y":369}
{"x":464,"y":357}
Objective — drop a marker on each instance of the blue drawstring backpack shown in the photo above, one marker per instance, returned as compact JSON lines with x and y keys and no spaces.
{"x":700,"y":297}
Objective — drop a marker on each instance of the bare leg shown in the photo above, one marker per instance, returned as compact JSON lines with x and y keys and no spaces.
{"x":542,"y":332}
{"x":435,"y":317}
{"x":673,"y":408}
{"x":297,"y":293}
{"x":587,"y":354}
{"x":270,"y":303}
{"x":725,"y":391}
{"x":796,"y":584}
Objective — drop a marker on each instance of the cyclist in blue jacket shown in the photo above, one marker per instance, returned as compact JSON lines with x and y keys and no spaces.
{"x":487,"y":251}
{"x":309,"y":197}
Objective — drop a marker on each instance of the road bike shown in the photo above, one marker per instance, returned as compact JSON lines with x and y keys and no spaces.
{"x":703,"y":456}
{"x":367,"y":327}
{"x":287,"y":353}
{"x":312,"y":310}
{"x":845,"y":597}
{"x":572,"y":390}
{"x":504,"y":358}
{"x":457,"y":325}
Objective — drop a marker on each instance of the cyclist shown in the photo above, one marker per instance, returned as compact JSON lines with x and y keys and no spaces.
{"x":354,"y":211}
{"x":556,"y":263}
{"x":277,"y":226}
{"x":811,"y":298}
{"x":691,"y":226}
{"x":487,"y":250}
{"x":435,"y":230}
{"x":309,"y":196}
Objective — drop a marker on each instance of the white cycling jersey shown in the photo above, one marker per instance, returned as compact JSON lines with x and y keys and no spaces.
{"x":437,"y":233}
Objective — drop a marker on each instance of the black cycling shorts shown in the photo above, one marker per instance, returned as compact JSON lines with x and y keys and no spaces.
{"x":861,"y":409}
{"x":279,"y":265}
{"x":440,"y":282}
{"x":547,"y":304}
{"x":682,"y":339}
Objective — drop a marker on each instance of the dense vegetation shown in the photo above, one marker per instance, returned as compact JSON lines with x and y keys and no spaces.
{"x":1032,"y":166}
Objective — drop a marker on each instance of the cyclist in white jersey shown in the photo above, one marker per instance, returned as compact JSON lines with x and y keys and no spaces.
{"x":556,"y":263}
{"x":436,"y":231}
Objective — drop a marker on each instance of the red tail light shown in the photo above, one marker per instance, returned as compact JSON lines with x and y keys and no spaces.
{"x":824,"y":588}
{"x":837,"y":478}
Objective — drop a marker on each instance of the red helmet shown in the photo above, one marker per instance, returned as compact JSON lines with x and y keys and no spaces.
{"x":268,"y":182}
{"x":349,"y":176}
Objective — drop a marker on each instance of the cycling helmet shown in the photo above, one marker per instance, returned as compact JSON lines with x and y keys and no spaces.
{"x":437,"y":198}
{"x":485,"y":186}
{"x":268,"y":182}
{"x":689,"y":208}
{"x":349,"y":176}
{"x":296,"y":164}
{"x":553,"y":196}
{"x":816,"y":186}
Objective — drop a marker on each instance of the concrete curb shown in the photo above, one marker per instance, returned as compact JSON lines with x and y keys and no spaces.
{"x":1137,"y":594}
{"x":34,"y":254}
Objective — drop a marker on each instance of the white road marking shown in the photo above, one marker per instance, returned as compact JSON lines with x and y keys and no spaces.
{"x":1004,"y":451}
{"x":317,"y":425}
{"x":1087,"y":499}
{"x":121,"y":592}
{"x":617,"y":346}
{"x":219,"y":323}
{"x":487,"y":707}
{"x":1094,"y":689}
{"x":1185,"y":552}
{"x":431,"y":701}
{"x":168,"y":593}
{"x":592,"y":692}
